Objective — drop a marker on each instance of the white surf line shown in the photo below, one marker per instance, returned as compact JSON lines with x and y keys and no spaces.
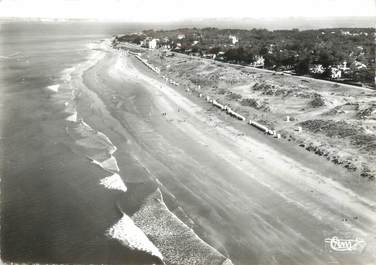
{"x":140,"y":220}
{"x":114,"y":148}
{"x":109,"y":164}
{"x":179,"y":243}
{"x":72,"y":117}
{"x":124,"y":230}
{"x":114,"y":182}
{"x":67,"y":74}
{"x":132,"y":236}
{"x":54,"y":88}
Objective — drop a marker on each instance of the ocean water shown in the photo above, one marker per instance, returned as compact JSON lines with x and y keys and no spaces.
{"x":54,"y":206}
{"x":64,"y":198}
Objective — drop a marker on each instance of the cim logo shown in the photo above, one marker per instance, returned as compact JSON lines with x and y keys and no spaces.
{"x":345,"y":245}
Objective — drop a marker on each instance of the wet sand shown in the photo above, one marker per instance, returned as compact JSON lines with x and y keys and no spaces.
{"x":254,"y":199}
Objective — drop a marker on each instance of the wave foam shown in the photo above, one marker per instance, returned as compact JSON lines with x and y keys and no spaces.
{"x":67,"y":74}
{"x":96,"y":140}
{"x":72,"y":117}
{"x":105,"y":137}
{"x":132,"y":237}
{"x":114,"y":182}
{"x":109,"y":164}
{"x":54,"y":88}
{"x":178,"y":243}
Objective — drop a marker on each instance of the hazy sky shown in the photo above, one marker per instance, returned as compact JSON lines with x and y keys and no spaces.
{"x":171,"y":10}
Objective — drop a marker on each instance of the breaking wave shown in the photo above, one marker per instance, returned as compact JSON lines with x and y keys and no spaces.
{"x":93,"y":144}
{"x":114,"y":182}
{"x":153,"y":228}
{"x":54,"y":88}
{"x":110,"y":164}
{"x":72,"y":117}
{"x":99,"y":149}
{"x":178,"y":243}
{"x":132,"y":236}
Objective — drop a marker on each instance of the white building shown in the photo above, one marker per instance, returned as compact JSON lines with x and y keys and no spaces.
{"x":336,"y":73}
{"x":234,"y":39}
{"x":317,"y":69}
{"x":153,"y":43}
{"x":259,"y":61}
{"x":358,"y":65}
{"x":181,"y":36}
{"x":343,"y":67}
{"x":145,"y":43}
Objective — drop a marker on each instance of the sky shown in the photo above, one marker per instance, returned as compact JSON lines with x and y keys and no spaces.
{"x":175,"y":10}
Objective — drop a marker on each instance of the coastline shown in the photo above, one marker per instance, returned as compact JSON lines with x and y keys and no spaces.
{"x":54,"y":209}
{"x":138,"y":108}
{"x":120,"y":230}
{"x":139,"y":167}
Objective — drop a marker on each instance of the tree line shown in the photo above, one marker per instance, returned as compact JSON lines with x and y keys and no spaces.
{"x":293,"y":50}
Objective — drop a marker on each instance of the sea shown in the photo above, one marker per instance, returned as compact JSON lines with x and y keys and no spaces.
{"x":50,"y":211}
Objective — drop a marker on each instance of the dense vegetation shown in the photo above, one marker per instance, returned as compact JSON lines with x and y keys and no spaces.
{"x":293,"y":50}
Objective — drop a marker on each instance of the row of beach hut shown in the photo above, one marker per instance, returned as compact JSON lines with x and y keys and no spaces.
{"x":225,"y":108}
{"x":232,"y":113}
{"x":265,"y":129}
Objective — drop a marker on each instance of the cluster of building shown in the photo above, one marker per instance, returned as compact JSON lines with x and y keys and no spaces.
{"x":150,"y":43}
{"x":154,"y":43}
{"x":348,"y":33}
{"x":233,"y":39}
{"x":338,"y":71}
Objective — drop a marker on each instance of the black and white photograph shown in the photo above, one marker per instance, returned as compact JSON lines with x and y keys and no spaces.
{"x":188,"y":132}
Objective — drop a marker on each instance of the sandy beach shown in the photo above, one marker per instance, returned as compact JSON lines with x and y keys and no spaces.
{"x":254,"y":199}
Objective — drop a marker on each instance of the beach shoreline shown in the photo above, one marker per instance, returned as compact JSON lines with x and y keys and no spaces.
{"x":131,"y":168}
{"x":141,"y":113}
